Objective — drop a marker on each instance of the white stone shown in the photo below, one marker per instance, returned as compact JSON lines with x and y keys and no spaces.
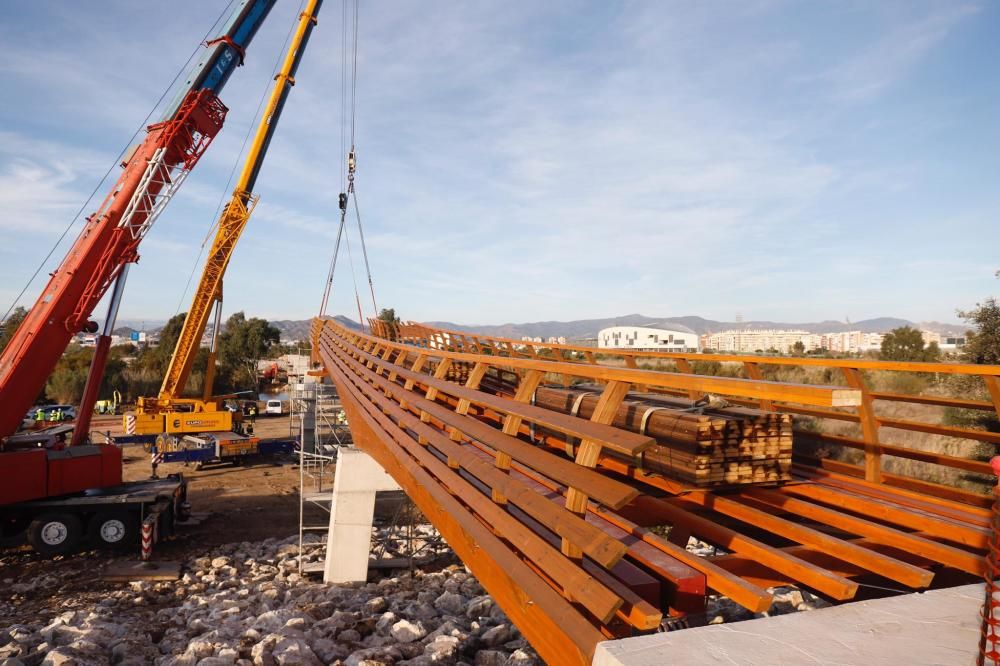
{"x":405,"y":631}
{"x":294,"y":652}
{"x":442,"y":648}
{"x":60,"y":657}
{"x":520,"y":658}
{"x":217,"y":661}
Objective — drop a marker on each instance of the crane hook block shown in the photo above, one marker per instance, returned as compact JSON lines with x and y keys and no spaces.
{"x":343,"y":201}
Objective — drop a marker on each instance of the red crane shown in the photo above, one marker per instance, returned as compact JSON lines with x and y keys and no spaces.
{"x":109,"y":242}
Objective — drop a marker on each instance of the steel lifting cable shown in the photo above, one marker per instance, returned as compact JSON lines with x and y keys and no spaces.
{"x":354,"y":75}
{"x":352,"y":158}
{"x":364,"y":250}
{"x":351,"y":164}
{"x":333,"y":261}
{"x":236,"y":162}
{"x":343,"y":172}
{"x":117,"y":160}
{"x":354,"y":276}
{"x":343,"y":89}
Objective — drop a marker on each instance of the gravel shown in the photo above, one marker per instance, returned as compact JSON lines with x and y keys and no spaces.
{"x":245,"y":603}
{"x":721,"y":610}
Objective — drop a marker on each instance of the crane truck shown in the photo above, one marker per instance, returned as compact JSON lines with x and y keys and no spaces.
{"x":202,"y":430}
{"x":56,"y":484}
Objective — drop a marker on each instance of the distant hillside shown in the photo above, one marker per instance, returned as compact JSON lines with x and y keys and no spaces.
{"x":147,"y":325}
{"x":291,"y":329}
{"x":298,"y":329}
{"x":588,"y":328}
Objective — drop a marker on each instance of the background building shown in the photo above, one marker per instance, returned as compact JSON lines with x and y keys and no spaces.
{"x":669,"y":337}
{"x":756,"y":340}
{"x":759,"y":340}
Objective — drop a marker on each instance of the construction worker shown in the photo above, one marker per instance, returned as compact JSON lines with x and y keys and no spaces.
{"x":39,"y":415}
{"x":59,"y":416}
{"x":253,"y":414}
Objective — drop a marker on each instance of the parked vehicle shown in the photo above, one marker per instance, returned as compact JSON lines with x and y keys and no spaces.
{"x":273,"y":407}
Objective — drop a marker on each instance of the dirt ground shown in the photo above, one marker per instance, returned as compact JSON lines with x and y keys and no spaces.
{"x":251,"y":502}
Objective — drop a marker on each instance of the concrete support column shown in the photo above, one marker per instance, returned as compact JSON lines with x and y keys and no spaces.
{"x":348,"y":544}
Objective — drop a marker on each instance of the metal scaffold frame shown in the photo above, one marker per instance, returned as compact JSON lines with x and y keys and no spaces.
{"x":316,"y":420}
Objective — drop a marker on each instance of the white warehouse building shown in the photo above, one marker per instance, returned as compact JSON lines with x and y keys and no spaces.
{"x":668,"y":337}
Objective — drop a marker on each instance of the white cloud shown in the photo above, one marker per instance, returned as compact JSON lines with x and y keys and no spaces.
{"x":537,"y":163}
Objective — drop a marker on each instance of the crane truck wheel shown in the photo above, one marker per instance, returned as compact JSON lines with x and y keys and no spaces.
{"x":113,"y":529}
{"x":55,"y":533}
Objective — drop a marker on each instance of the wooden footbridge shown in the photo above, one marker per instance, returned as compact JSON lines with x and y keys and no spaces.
{"x":570,"y":479}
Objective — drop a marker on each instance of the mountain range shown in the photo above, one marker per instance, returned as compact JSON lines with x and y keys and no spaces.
{"x":580,"y":329}
{"x":291,"y":329}
{"x":588,"y":328}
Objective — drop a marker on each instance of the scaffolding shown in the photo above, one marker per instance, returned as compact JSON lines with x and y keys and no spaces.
{"x":402,"y":538}
{"x":317,"y":421}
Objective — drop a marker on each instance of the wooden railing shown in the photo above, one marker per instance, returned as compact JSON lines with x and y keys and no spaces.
{"x":782,"y":397}
{"x":561,"y":516}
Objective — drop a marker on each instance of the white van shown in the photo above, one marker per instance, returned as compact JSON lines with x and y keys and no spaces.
{"x":273,"y":407}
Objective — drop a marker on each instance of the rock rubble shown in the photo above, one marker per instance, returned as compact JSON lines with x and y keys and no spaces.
{"x":720,"y":610}
{"x":246,"y":604}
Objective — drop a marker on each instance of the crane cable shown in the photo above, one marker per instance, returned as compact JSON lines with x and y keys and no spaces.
{"x":117,"y":161}
{"x":352,"y":158}
{"x":351,"y":164}
{"x":333,"y":260}
{"x":343,"y":165}
{"x":357,"y":297}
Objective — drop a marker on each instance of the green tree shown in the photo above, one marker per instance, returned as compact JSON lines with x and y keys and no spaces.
{"x":907,"y":344}
{"x":982,"y":346}
{"x":798,"y":348}
{"x":144,"y":375}
{"x":155,"y":359}
{"x":67,"y":381}
{"x":9,"y":326}
{"x":388,"y":315}
{"x":242,"y":345}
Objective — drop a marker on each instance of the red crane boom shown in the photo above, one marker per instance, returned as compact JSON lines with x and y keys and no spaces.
{"x":109,"y":242}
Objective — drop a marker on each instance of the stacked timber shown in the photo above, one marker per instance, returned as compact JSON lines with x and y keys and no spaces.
{"x":722,"y":447}
{"x":457,"y":371}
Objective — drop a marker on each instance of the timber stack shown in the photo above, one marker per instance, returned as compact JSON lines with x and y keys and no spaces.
{"x":720,"y":447}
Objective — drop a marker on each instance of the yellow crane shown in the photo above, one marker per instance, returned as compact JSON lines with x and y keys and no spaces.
{"x":168,"y":412}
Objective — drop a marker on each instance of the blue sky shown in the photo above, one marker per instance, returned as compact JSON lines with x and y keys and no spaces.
{"x":525,"y":161}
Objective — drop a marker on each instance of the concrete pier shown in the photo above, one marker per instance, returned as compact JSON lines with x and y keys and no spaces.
{"x":348,"y":545}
